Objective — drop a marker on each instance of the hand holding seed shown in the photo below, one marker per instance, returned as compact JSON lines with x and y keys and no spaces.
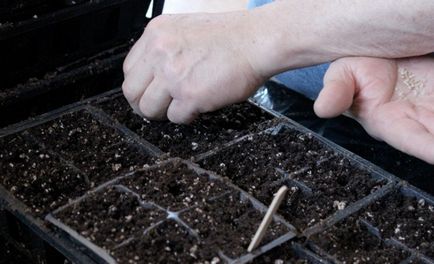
{"x":392,"y":99}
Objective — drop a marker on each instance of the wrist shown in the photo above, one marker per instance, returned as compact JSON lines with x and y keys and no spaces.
{"x":284,"y":38}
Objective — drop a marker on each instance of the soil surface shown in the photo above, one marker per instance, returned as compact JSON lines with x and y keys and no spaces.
{"x":251,"y":163}
{"x":76,"y":135}
{"x":35,"y":177}
{"x":350,"y":242}
{"x":207,"y":132}
{"x":100,"y":151}
{"x":409,"y":220}
{"x":110,"y":217}
{"x":167,"y":243}
{"x":229,"y":224}
{"x":174,"y":186}
{"x":114,"y":161}
{"x":334,"y":183}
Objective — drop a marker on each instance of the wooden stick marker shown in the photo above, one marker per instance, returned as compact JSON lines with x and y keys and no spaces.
{"x":262,"y":230}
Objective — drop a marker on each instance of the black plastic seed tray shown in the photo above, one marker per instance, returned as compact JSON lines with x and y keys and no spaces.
{"x":187,"y":209}
{"x":33,"y":46}
{"x":328,"y":185}
{"x":43,"y":177}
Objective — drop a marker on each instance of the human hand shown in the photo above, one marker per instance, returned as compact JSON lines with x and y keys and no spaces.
{"x":184,"y":65}
{"x":392,"y":99}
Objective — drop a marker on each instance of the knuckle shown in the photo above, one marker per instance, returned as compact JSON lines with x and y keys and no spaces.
{"x":126,"y":66}
{"x":157,"y":22}
{"x":127,"y":91}
{"x":147,"y":111}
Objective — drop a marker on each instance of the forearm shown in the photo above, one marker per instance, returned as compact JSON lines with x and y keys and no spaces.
{"x":294,"y":33}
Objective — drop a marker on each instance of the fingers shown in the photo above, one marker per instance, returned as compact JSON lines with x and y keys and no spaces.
{"x":155,"y":101}
{"x":135,"y":83}
{"x":337,"y":95}
{"x":411,"y":137}
{"x":181,"y":113}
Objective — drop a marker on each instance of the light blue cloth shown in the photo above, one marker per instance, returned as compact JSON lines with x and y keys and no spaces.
{"x":307,"y":81}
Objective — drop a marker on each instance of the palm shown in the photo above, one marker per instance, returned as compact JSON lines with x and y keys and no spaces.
{"x":394,"y":101}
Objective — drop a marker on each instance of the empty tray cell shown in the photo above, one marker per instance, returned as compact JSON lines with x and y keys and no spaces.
{"x":229,"y":223}
{"x":207,"y":132}
{"x":251,"y":163}
{"x":166,"y":243}
{"x":35,"y":177}
{"x":174,"y":186}
{"x":109,"y":217}
{"x":113,"y":161}
{"x":409,"y":219}
{"x":76,"y":135}
{"x":351,"y":242}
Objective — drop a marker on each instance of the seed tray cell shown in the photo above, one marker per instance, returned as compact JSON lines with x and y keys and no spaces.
{"x":228,"y":223}
{"x":168,"y":243}
{"x":109,"y":217}
{"x":405,"y":215}
{"x":209,"y":131}
{"x":76,"y":134}
{"x":175,"y":186}
{"x":251,"y":163}
{"x":322,"y":182}
{"x":352,"y":242}
{"x":37,"y":177}
{"x":228,"y":231}
{"x":116,"y":159}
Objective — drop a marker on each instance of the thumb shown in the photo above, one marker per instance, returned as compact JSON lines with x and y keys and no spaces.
{"x":338,"y":92}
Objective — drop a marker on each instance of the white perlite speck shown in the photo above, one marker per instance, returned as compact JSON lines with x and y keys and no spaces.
{"x":412,"y":87}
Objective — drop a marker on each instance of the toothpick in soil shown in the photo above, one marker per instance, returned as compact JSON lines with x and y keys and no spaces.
{"x":262,"y":230}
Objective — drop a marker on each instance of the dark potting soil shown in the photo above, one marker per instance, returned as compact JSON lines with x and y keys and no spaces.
{"x":100,"y":151}
{"x":174,"y":186}
{"x":335,"y":184}
{"x":351,"y":242}
{"x":109,"y":217}
{"x":76,"y":135}
{"x":207,"y":132}
{"x":229,"y":223}
{"x":167,"y":243}
{"x":409,"y":220}
{"x":113,"y":161}
{"x":35,"y":177}
{"x":251,"y":165}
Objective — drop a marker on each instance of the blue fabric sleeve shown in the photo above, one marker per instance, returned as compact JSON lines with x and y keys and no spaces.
{"x":307,"y":81}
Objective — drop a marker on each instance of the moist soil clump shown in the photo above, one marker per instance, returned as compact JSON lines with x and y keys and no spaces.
{"x":229,"y":223}
{"x":37,"y":178}
{"x":167,"y":243}
{"x":207,"y":132}
{"x":174,"y":186}
{"x":351,"y":242}
{"x":410,"y":220}
{"x":110,"y":217}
